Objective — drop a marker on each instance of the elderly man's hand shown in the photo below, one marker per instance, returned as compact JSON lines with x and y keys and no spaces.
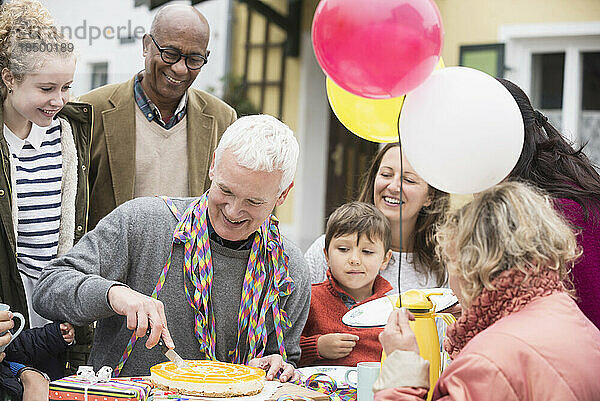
{"x":142,"y":312}
{"x":397,"y":334}
{"x":274,"y":364}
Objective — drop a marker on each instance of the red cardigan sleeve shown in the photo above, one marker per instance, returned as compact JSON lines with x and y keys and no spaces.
{"x":310,"y":354}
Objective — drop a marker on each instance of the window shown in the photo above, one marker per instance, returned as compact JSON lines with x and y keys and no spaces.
{"x":547,"y":84}
{"x":589,"y":122}
{"x":486,"y":58}
{"x":99,"y":74}
{"x":591,"y":81}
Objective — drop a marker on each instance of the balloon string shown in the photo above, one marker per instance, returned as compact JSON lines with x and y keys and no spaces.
{"x":401,"y":181}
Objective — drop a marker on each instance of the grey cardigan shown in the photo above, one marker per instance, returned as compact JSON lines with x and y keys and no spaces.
{"x":130,"y":246}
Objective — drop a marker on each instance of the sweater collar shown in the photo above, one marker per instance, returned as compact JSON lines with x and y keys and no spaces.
{"x":243,"y":245}
{"x":380,"y":288}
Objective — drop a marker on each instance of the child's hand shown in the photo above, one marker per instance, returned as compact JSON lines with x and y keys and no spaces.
{"x":68,"y":332}
{"x":336,"y":345}
{"x":35,"y":386}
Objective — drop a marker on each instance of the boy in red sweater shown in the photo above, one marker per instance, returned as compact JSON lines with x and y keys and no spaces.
{"x":357,"y":248}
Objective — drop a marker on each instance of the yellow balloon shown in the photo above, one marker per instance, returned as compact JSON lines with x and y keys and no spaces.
{"x":371,"y":119}
{"x":375,"y":120}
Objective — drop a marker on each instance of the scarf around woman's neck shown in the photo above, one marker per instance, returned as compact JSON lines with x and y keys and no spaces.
{"x":513,"y":292}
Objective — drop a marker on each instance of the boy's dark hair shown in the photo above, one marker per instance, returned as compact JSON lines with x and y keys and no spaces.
{"x":359,"y":218}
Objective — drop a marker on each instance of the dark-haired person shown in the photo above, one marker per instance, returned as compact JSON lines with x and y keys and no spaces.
{"x":549,"y":162}
{"x":422,"y":207}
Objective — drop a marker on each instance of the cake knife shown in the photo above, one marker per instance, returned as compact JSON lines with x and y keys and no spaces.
{"x":172,"y":355}
{"x":175,"y":358}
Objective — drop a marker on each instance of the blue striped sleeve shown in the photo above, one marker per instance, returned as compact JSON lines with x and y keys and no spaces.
{"x":15,"y":367}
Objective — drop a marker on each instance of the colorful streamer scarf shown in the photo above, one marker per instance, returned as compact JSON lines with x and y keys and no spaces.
{"x":266,"y":281}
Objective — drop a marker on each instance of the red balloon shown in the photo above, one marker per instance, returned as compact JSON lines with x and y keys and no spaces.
{"x":377,"y":48}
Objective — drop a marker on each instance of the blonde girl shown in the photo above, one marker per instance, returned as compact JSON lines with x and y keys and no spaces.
{"x":44,"y":152}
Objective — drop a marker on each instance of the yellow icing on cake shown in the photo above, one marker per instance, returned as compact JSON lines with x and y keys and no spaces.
{"x":209,"y":378}
{"x":209,"y":372}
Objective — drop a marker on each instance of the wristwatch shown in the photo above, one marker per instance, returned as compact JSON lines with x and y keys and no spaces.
{"x":35,"y":370}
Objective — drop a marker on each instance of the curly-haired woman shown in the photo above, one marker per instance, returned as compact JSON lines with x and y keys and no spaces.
{"x":521,"y":335}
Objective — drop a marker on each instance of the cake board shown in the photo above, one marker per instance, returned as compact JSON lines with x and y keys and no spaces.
{"x":272,"y":391}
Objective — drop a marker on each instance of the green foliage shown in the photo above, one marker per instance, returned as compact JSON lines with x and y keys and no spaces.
{"x":235,"y":95}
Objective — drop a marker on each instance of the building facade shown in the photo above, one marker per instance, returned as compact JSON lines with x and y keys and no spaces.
{"x":551,"y":48}
{"x":262,"y":60}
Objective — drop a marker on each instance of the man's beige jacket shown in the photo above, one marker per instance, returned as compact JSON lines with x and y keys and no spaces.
{"x":112,"y":169}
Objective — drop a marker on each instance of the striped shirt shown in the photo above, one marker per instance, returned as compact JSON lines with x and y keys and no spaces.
{"x":37,"y":167}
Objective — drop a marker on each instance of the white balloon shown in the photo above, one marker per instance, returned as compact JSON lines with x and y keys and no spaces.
{"x":461,"y":130}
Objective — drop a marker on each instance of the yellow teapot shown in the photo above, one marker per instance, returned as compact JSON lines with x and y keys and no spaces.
{"x":425,"y":329}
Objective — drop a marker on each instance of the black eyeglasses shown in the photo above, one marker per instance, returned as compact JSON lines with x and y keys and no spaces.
{"x":172,"y":56}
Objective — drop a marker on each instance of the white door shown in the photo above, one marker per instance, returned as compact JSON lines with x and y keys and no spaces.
{"x":558,"y":65}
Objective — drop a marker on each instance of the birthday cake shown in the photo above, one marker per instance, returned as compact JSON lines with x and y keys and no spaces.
{"x":208,"y":378}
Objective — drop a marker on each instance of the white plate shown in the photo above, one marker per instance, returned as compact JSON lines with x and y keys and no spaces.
{"x":376,"y":312}
{"x":337,"y":373}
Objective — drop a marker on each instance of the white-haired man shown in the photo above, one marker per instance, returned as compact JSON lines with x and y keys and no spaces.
{"x":215,"y":267}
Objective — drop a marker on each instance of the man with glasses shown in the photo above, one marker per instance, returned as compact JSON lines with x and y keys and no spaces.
{"x":154,"y":135}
